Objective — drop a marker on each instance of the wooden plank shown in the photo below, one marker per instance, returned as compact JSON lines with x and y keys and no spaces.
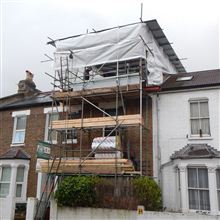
{"x":134,"y":119}
{"x":90,"y":166}
{"x":88,"y":92}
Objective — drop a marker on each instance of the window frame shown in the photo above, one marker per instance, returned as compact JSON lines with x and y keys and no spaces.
{"x":47,"y":127}
{"x":197,"y":188}
{"x":198,"y":101}
{"x":5,"y":182}
{"x":20,"y":183}
{"x":218,"y":188}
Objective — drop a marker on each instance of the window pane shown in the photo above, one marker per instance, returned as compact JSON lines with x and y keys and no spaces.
{"x":18,"y":190}
{"x":19,"y":137}
{"x":205,"y":126}
{"x":195,"y":126}
{"x":192,"y":178}
{"x":4,"y":189}
{"x":203,"y":178}
{"x":204,"y":111}
{"x":218,"y":178}
{"x":194,"y":109}
{"x":21,"y":122}
{"x":193,"y":199}
{"x":204,"y":200}
{"x":52,"y":135}
{"x":6,"y":174}
{"x":20,"y":174}
{"x":219,"y":200}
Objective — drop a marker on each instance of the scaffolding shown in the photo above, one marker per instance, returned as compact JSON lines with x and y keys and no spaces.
{"x":76,"y":87}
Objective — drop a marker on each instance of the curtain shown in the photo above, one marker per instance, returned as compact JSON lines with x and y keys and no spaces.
{"x":204,"y":110}
{"x":203,"y":178}
{"x":20,"y":174}
{"x":205,"y":126}
{"x":192,"y":178}
{"x":194,"y":109}
{"x":193,"y":199}
{"x":204,"y":200}
{"x":195,"y":126}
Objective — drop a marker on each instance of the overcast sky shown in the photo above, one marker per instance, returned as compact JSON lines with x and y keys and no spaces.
{"x":191,"y":25}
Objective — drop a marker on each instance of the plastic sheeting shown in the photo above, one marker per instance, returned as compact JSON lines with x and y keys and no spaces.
{"x":112,"y":45}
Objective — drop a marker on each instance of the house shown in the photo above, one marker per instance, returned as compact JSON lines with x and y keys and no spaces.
{"x":186,"y":129}
{"x":23,"y":121}
{"x":98,"y":119}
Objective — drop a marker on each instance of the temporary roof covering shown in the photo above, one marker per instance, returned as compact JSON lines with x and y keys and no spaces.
{"x":139,"y":40}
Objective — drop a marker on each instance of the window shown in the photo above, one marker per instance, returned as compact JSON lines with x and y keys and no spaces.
{"x":199,"y":118}
{"x":50,"y":134}
{"x":218,"y":186}
{"x":5,"y":178}
{"x":19,"y":129}
{"x":19,"y":181}
{"x":198,"y":189}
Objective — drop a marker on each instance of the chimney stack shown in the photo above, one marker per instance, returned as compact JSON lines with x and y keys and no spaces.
{"x":27,"y":86}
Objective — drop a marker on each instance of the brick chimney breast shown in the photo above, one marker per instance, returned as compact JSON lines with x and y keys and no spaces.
{"x":27,"y":86}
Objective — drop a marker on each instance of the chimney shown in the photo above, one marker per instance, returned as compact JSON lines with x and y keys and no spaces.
{"x":27,"y":86}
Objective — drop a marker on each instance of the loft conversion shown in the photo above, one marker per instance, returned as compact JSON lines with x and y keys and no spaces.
{"x":119,"y":53}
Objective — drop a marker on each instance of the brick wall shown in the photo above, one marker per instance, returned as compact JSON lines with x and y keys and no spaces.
{"x":34,"y":131}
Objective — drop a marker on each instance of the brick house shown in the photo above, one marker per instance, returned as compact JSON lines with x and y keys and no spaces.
{"x":101,"y":113}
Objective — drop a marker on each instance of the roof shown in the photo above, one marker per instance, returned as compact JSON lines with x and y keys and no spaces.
{"x":165,"y":44}
{"x":196,"y":151}
{"x":158,"y":34}
{"x":37,"y":99}
{"x":207,"y":78}
{"x":15,"y":153}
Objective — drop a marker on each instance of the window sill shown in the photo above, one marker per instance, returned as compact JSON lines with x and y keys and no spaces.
{"x":200,"y":138}
{"x":51,"y":142}
{"x":18,"y":145}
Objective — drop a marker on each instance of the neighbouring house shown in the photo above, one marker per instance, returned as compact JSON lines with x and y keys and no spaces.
{"x":23,"y":121}
{"x":186,"y":137}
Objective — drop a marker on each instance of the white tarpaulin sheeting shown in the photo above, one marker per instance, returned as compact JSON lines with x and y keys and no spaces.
{"x":112,"y":45}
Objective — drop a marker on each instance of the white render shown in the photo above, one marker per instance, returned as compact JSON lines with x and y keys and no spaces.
{"x":171,"y":132}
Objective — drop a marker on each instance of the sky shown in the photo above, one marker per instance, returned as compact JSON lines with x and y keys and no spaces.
{"x":192,"y":26}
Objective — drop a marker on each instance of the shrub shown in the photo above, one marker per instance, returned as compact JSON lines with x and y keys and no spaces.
{"x":148,"y":193}
{"x":76,"y":191}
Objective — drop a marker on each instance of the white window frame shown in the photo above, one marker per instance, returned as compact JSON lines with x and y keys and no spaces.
{"x":20,"y":182}
{"x":198,"y":100}
{"x":16,"y":115}
{"x":5,"y":182}
{"x":197,"y":188}
{"x":218,"y":189}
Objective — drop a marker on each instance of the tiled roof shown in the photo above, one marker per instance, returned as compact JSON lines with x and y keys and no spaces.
{"x":207,"y":78}
{"x":37,"y":99}
{"x":191,"y":151}
{"x":15,"y":153}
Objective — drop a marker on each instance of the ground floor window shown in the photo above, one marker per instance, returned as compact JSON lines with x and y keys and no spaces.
{"x":5,"y":178}
{"x":198,"y":188}
{"x":218,"y":186}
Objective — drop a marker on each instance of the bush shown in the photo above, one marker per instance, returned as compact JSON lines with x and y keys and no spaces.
{"x":148,"y":193}
{"x":76,"y":191}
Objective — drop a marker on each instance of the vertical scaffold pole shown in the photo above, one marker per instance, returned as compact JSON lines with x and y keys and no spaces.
{"x":141,"y":141}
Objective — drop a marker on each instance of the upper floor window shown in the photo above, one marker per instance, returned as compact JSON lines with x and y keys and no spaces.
{"x":199,"y":117}
{"x":5,"y":178}
{"x":198,"y":189}
{"x":20,"y":119}
{"x":50,"y":134}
